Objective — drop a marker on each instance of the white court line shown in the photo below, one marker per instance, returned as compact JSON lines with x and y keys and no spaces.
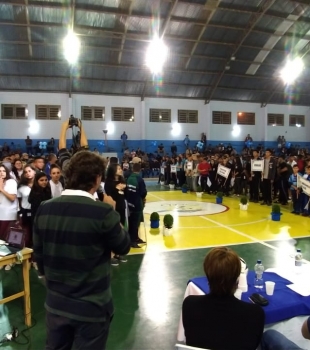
{"x":217,"y":224}
{"x":232,"y":225}
{"x":151,"y":194}
{"x":240,"y":233}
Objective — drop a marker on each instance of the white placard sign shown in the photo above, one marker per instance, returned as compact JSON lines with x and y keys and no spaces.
{"x":305,"y":185}
{"x":162,"y":170}
{"x":189,"y":166}
{"x":223,"y":171}
{"x":173,"y":168}
{"x":298,"y":181}
{"x":257,"y":165}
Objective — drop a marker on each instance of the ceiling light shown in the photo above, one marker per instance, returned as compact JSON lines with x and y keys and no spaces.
{"x":298,"y":125}
{"x":292,"y":70}
{"x":227,"y":67}
{"x":71,"y":45}
{"x":156,"y":55}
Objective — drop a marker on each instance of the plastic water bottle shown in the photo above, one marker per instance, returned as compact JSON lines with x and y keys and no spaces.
{"x":258,"y":280}
{"x":298,"y":261}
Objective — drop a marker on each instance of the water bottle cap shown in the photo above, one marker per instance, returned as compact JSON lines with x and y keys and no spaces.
{"x":259,"y":261}
{"x":298,"y":250}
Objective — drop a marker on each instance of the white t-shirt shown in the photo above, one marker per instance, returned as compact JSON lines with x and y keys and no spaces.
{"x":56,"y":189}
{"x":8,"y":209}
{"x":20,"y":173}
{"x":23,"y":193}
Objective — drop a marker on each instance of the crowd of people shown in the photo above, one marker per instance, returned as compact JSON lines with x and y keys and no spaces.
{"x":276,"y":183}
{"x":81,"y":215}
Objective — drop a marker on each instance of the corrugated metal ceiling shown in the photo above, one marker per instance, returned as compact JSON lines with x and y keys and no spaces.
{"x":218,"y":49}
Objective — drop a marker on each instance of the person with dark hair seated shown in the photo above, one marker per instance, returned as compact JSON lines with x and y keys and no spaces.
{"x":218,"y":320}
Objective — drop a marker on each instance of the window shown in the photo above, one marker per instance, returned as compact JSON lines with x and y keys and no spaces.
{"x":245,"y":118}
{"x":297,"y":120}
{"x":160,"y":115}
{"x":275,"y":119}
{"x":14,"y":111}
{"x":123,"y":114}
{"x":187,"y":116}
{"x":92,"y":113}
{"x":221,"y":117}
{"x":52,"y":112}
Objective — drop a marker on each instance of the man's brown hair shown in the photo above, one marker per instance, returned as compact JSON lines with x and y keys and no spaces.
{"x":82,"y":171}
{"x":222,"y":267}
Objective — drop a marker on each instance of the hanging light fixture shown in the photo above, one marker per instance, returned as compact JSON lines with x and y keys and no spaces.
{"x":291,"y":71}
{"x":71,"y":45}
{"x":156,"y":55}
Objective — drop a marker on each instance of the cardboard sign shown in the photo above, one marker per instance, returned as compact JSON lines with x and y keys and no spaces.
{"x":223,"y":171}
{"x":257,"y":165}
{"x":173,"y":168}
{"x":305,"y":185}
{"x":162,"y":171}
{"x":189,"y":166}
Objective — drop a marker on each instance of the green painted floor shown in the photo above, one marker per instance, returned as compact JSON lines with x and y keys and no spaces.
{"x":148,"y":292}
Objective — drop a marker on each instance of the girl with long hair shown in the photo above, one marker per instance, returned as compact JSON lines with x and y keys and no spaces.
{"x":115,"y":187}
{"x":17,"y":170}
{"x":40,"y":191}
{"x":8,"y":203}
{"x":23,"y":191}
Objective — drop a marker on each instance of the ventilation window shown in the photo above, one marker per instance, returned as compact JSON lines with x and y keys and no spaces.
{"x":45,"y":112}
{"x":160,"y":115}
{"x":221,"y":117}
{"x":187,"y":116}
{"x":275,"y":119}
{"x":14,"y":112}
{"x":120,"y":114}
{"x":92,"y":113}
{"x":297,"y":120}
{"x":245,"y":118}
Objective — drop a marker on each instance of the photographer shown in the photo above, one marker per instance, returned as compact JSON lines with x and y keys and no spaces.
{"x":64,"y":155}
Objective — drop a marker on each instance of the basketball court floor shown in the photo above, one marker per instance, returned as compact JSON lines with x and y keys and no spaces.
{"x":148,"y":290}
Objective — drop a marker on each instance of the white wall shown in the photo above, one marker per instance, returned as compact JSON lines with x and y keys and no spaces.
{"x":15,"y":129}
{"x":141,"y":128}
{"x":175,"y":131}
{"x":224,"y":132}
{"x":94,"y":128}
{"x":291,"y":133}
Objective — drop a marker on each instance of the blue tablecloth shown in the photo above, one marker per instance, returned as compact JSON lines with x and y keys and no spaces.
{"x":283,"y":304}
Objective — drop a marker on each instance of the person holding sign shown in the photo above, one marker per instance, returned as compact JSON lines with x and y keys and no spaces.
{"x":173,"y":172}
{"x":224,"y":173}
{"x":295,"y":191}
{"x":304,"y":196}
{"x":255,"y":175}
{"x":268,"y":175}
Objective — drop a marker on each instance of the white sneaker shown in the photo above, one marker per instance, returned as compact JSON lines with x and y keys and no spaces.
{"x":8,"y":267}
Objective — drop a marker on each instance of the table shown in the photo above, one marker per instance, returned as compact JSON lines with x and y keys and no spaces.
{"x":25,"y":293}
{"x":285,"y":305}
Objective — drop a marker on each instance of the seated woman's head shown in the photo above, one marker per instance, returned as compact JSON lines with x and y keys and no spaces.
{"x":222,"y":267}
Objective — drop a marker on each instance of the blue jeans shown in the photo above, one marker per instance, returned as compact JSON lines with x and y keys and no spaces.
{"x":274,"y":340}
